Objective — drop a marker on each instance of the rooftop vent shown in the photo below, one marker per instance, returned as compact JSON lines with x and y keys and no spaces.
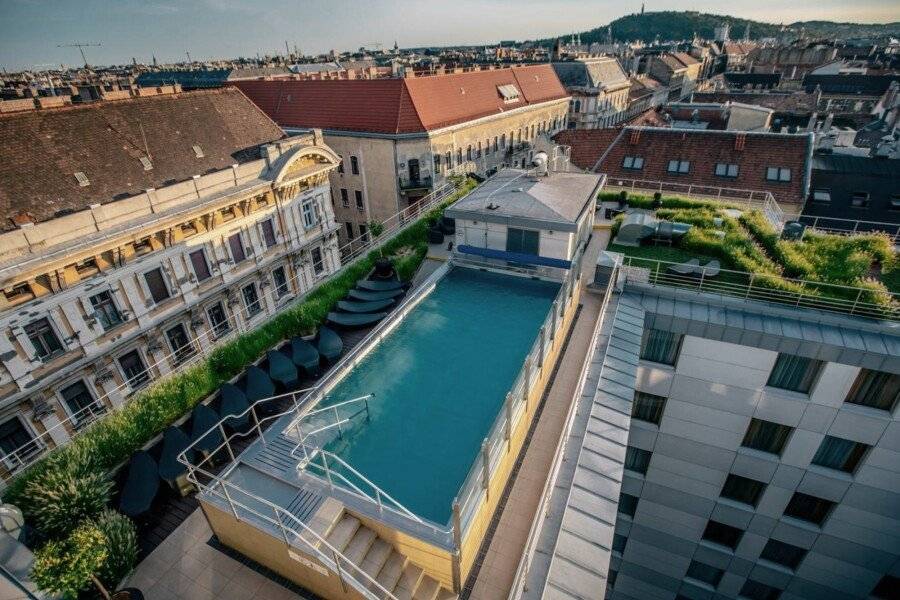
{"x":198,"y":151}
{"x":83,"y":181}
{"x":492,"y":206}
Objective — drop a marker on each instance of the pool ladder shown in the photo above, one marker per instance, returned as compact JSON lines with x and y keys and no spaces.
{"x":326,"y":419}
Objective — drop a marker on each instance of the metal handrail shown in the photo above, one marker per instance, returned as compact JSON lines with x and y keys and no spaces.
{"x":330,"y":408}
{"x":654,"y":272}
{"x":334,"y":561}
{"x":850,"y":226}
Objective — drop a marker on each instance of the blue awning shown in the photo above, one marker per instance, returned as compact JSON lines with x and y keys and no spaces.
{"x":516,"y":257}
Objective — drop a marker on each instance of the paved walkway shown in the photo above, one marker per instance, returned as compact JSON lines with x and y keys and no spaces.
{"x":495,"y":577}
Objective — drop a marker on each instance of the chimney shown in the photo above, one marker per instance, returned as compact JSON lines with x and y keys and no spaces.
{"x":635,"y":137}
{"x":740,"y":141}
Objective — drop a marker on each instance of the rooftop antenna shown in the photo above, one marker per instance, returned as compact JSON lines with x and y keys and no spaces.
{"x":188,"y":55}
{"x":81,"y":47}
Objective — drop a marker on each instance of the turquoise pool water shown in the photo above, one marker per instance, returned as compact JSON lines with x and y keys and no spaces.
{"x":440,"y":379}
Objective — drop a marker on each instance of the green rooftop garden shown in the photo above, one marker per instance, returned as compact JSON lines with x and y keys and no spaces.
{"x":81,"y":544}
{"x":827,"y":269}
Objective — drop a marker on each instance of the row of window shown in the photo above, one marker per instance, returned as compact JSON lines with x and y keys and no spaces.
{"x":491,"y":145}
{"x":728,"y":170}
{"x":358,"y":196}
{"x":859,"y":199}
{"x":875,"y":389}
{"x":354,"y":165}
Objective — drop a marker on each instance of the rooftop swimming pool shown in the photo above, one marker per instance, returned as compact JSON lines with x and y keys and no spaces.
{"x":439,"y":379}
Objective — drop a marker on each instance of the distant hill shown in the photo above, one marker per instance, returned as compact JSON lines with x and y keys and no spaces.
{"x":673,"y":25}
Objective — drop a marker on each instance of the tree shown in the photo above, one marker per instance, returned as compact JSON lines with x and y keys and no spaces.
{"x":70,"y":566}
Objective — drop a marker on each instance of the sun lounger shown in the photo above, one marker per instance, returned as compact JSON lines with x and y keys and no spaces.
{"x":281,"y":369}
{"x":378,"y":286}
{"x":687,"y":268}
{"x":710,"y":269}
{"x":141,"y":485}
{"x":330,"y":344}
{"x":367,"y":296}
{"x":364,"y":307}
{"x":234,"y":402}
{"x":204,"y":430}
{"x":305,"y":356}
{"x":257,"y":385}
{"x":170,"y":470}
{"x":351,"y":320}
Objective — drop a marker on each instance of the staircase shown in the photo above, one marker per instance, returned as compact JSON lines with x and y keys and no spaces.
{"x":377,"y":557}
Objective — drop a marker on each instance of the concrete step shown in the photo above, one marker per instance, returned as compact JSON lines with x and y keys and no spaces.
{"x":326,"y":517}
{"x":391,"y":571}
{"x":343,"y":532}
{"x":428,"y":589}
{"x":445,"y":594}
{"x":409,"y":581}
{"x":376,"y":557}
{"x":359,"y":546}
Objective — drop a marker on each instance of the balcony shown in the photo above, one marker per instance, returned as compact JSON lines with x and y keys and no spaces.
{"x":416,"y":186}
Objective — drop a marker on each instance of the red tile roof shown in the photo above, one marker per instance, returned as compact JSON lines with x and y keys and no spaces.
{"x":397,"y":106}
{"x":752,"y":152}
{"x":41,"y":150}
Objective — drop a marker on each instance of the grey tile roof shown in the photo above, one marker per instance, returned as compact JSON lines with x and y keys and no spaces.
{"x":553,"y":202}
{"x":581,"y":555}
{"x":603,"y":72}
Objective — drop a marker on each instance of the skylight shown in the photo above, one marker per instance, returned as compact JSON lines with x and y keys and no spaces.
{"x":509,"y":92}
{"x":198,"y":151}
{"x":83,"y":181}
{"x":148,"y":166}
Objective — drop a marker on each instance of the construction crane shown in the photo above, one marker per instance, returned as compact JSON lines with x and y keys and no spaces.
{"x":81,"y":48}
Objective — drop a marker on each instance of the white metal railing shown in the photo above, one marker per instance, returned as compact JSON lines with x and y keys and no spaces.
{"x":74,"y":424}
{"x":498,"y":440}
{"x":760,"y":200}
{"x":332,"y":411}
{"x":838,"y":226}
{"x":559,"y":456}
{"x":767,"y":287}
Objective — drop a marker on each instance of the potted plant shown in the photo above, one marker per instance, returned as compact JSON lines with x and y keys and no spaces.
{"x":657,"y":200}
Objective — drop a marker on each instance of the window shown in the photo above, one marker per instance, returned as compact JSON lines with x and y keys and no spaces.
{"x":81,"y":404}
{"x":859,"y":200}
{"x":43,"y":338}
{"x":14,"y":438}
{"x":364,"y":233}
{"x":236,"y":245}
{"x":839,"y":454}
{"x":821,"y":196}
{"x":726,"y":170}
{"x":251,"y":300}
{"x":459,"y":156}
{"x":755,"y":590}
{"x":766,"y":436}
{"x":628,"y":504}
{"x":895,"y":202}
{"x":133,"y":368}
{"x":780,"y":553}
{"x":179,"y":343}
{"x":660,"y":346}
{"x":310,"y":211}
{"x":437,"y":163}
{"x":349,"y":227}
{"x":679,"y":166}
{"x":522,"y":241}
{"x":345,"y":198}
{"x":637,"y":460}
{"x":340,"y":168}
{"x":876,"y":389}
{"x":635,"y":163}
{"x":354,"y":165}
{"x":82,"y":179}
{"x":722,"y":534}
{"x":200,"y":265}
{"x":448,"y":159}
{"x":318,"y":265}
{"x":705,"y":573}
{"x":359,"y":201}
{"x":268,"y":230}
{"x":778,"y":174}
{"x":105,"y":310}
{"x":279,"y":278}
{"x":742,"y":489}
{"x":808,"y":508}
{"x":648,"y":407}
{"x":218,"y":319}
{"x":469,"y":152}
{"x":503,"y":141}
{"x":887,"y":587}
{"x":794,"y":373}
{"x":619,"y":542}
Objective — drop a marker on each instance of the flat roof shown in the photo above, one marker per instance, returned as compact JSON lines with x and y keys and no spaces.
{"x":516,"y":197}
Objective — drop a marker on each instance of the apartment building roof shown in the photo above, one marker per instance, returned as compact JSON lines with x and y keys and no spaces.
{"x":673,"y":63}
{"x":753,"y":152}
{"x":605,"y":72}
{"x":867,"y":85}
{"x":57,"y":161}
{"x":685,"y":58}
{"x":794,"y":103}
{"x":403,"y":106}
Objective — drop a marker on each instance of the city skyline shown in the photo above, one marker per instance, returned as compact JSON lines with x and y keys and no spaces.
{"x":213,"y":29}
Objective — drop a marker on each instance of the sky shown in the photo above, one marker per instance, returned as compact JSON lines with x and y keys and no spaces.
{"x":31,"y":30}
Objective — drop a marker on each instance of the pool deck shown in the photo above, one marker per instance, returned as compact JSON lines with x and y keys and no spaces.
{"x":502,"y":551}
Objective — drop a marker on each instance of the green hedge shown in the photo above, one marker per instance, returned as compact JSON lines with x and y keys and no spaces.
{"x":111,"y":440}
